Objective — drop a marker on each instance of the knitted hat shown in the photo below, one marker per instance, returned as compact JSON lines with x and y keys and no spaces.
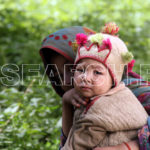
{"x":110,"y":50}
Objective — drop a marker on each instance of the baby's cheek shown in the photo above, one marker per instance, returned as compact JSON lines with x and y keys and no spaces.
{"x":77,"y":78}
{"x":99,"y":82}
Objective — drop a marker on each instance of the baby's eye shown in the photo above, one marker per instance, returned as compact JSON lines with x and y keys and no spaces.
{"x":97,"y":72}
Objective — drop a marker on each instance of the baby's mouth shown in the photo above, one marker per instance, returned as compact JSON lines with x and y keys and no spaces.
{"x":85,"y":88}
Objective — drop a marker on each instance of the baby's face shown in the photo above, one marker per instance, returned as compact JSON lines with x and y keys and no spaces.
{"x":91,"y":78}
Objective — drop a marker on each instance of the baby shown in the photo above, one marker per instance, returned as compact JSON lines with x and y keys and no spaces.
{"x":113,"y":114}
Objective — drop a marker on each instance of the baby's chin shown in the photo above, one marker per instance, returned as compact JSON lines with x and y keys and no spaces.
{"x":86,"y":94}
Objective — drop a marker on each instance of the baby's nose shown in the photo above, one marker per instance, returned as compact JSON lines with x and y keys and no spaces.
{"x":86,"y":77}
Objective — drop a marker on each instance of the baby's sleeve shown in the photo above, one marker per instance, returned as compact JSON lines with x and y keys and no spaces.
{"x":88,"y":133}
{"x":85,"y":134}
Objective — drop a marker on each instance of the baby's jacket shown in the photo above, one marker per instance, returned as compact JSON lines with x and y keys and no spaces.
{"x":109,"y":119}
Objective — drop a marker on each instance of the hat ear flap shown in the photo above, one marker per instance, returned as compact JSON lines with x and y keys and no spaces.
{"x":127,"y":57}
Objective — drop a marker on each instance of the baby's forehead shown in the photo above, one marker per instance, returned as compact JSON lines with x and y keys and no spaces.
{"x":90,"y":63}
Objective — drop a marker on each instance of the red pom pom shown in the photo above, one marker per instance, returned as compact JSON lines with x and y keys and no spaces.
{"x":110,"y":28}
{"x":81,"y":39}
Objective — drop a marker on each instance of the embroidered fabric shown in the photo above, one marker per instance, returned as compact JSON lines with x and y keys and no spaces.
{"x":63,"y":139}
{"x":144,"y":136}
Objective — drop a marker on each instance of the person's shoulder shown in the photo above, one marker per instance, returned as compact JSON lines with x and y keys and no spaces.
{"x":123,"y":92}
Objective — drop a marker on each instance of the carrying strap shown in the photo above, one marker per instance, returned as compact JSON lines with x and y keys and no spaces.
{"x":140,"y":90}
{"x":140,"y":86}
{"x":129,"y":81}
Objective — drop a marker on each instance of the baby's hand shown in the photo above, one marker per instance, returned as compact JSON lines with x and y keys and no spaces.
{"x":73,"y":98}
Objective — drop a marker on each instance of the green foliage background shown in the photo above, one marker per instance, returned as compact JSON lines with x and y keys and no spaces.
{"x":30,"y":112}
